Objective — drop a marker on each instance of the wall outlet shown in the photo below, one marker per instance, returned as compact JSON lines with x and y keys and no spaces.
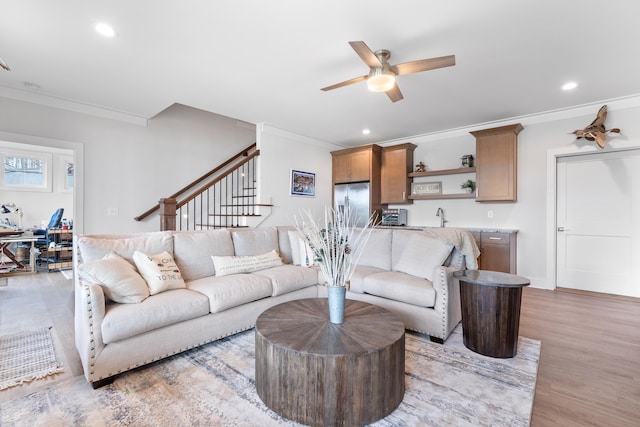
{"x":112,"y":211}
{"x":489,"y":214}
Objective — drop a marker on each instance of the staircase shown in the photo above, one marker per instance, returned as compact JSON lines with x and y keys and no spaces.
{"x":225,"y":197}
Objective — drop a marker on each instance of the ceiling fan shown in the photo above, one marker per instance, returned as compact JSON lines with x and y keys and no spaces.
{"x":4,"y":65}
{"x":382,"y":75}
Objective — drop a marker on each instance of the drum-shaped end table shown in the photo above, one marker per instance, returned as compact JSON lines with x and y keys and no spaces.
{"x":490,"y":303}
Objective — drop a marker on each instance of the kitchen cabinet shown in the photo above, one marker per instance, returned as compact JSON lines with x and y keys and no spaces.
{"x":356,"y":164}
{"x":397,"y":163}
{"x":497,"y":250}
{"x":360,"y":164}
{"x":497,"y":164}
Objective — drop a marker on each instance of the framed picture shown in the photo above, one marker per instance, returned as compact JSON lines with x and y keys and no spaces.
{"x":422,"y":188}
{"x":303,"y":183}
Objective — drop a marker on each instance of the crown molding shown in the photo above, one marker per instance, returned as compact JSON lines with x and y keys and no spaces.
{"x":529,"y":119}
{"x":70,"y":105}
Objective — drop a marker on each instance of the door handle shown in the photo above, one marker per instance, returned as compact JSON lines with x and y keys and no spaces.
{"x":562,"y":229}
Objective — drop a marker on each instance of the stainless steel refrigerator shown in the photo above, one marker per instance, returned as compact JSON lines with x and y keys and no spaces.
{"x":354,"y":196}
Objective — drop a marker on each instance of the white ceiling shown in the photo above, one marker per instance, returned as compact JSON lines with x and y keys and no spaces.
{"x":265,"y":61}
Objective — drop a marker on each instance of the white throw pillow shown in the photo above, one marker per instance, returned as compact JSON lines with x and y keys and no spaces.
{"x":159,"y":271}
{"x":300,"y":250}
{"x":225,"y":265}
{"x":118,"y":278}
{"x":416,"y":254}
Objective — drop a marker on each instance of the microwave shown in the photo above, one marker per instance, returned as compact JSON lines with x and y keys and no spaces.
{"x":394,"y":217}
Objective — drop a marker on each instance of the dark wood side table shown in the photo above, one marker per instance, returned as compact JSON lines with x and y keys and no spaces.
{"x":490,"y":311}
{"x":317,"y":373}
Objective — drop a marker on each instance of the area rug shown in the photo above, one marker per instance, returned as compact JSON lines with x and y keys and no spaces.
{"x":446,"y":385}
{"x":27,"y":356}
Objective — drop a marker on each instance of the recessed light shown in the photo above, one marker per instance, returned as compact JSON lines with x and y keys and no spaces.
{"x":569,"y":86}
{"x":105,"y":29}
{"x":366,"y":131}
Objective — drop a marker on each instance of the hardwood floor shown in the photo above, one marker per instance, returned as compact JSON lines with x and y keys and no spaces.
{"x":589,"y":372}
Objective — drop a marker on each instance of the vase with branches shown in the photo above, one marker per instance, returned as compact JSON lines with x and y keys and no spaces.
{"x":336,"y":243}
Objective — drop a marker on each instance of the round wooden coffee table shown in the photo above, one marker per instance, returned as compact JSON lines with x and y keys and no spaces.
{"x":317,"y":373}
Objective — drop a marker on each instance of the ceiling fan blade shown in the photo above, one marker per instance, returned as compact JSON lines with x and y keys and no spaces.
{"x":394,"y":93}
{"x":425,"y":64}
{"x":345,"y":83}
{"x":366,"y":54}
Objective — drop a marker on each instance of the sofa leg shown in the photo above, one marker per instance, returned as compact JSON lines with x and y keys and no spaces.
{"x":436,"y":339}
{"x":101,"y":383}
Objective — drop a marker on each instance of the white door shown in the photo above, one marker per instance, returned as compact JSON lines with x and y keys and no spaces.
{"x":598,"y":220}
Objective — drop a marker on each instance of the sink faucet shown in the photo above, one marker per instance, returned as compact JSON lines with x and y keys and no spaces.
{"x":440,"y":213}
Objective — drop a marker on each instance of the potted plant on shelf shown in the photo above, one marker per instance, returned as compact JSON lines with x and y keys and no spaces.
{"x":468,"y":186}
{"x":336,"y":244}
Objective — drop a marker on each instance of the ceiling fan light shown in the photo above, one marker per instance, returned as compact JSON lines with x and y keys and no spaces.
{"x":380,"y":81}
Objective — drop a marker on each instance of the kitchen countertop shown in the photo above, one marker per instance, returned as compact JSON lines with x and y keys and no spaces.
{"x":471,"y":229}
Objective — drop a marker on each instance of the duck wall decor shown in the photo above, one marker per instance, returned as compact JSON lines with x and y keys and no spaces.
{"x":596,"y":130}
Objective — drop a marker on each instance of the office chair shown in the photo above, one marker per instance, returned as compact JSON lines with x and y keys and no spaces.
{"x":54,"y":222}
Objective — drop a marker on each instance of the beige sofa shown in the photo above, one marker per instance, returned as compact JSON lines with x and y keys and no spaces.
{"x":113,"y":337}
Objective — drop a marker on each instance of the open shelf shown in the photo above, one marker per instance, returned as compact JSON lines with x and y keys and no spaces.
{"x":442,"y":172}
{"x":442,"y":196}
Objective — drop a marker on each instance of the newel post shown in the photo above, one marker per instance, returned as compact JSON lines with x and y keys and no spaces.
{"x":168,"y":214}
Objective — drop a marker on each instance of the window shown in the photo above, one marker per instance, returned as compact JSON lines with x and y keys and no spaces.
{"x":65,"y":174}
{"x":25,"y":171}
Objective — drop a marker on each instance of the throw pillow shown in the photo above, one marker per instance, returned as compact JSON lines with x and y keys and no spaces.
{"x":118,"y":278}
{"x":416,"y":254}
{"x":300,"y":250}
{"x":159,"y":271}
{"x":225,"y":265}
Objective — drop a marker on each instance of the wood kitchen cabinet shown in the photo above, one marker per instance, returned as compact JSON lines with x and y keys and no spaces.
{"x":356,"y":164}
{"x":497,"y":251}
{"x":360,"y":164}
{"x":497,"y":164}
{"x":397,"y":163}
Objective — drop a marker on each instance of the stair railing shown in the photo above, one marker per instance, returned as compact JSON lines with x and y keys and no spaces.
{"x":223,"y":198}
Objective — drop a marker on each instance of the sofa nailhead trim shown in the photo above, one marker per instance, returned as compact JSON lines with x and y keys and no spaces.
{"x":169,"y":354}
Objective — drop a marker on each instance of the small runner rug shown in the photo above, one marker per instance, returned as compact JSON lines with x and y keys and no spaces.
{"x":27,"y":356}
{"x":213,"y":385}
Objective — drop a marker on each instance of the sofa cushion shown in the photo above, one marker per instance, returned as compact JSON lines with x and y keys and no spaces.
{"x":226,"y":265}
{"x":401,"y":287}
{"x":288,"y":278}
{"x":377,"y":250}
{"x":231,"y":291}
{"x":284,"y":247}
{"x":255,"y":241}
{"x":358,"y":276}
{"x":416,"y":254}
{"x":159,"y":271}
{"x":126,"y":320}
{"x":120,"y":280}
{"x":193,"y":251}
{"x":97,"y":246}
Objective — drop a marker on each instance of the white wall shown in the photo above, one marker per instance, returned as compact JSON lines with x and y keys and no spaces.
{"x":543,"y":137}
{"x":127,"y":166}
{"x":281,"y":151}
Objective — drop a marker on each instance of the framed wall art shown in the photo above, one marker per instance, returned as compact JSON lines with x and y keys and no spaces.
{"x":422,"y":188}
{"x":302,"y":183}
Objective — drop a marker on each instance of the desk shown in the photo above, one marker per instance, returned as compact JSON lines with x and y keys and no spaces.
{"x":7,"y":240}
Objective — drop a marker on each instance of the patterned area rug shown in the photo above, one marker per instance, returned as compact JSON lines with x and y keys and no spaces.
{"x":27,"y":356}
{"x":446,"y":385}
